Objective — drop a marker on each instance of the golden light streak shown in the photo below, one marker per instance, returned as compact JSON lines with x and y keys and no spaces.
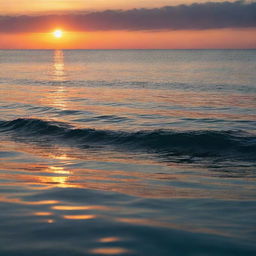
{"x":109,"y":251}
{"x":109,"y":239}
{"x":78,"y":208}
{"x":79,"y":217}
{"x":42,"y":213}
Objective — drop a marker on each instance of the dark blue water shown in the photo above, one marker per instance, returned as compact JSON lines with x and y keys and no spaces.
{"x":127,"y":152}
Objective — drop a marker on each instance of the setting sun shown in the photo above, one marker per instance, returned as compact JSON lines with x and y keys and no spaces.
{"x":58,"y":33}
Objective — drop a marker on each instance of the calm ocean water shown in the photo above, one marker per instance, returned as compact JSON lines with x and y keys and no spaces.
{"x":127,"y":152}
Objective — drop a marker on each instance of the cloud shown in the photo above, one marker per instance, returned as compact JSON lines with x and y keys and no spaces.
{"x":197,"y":16}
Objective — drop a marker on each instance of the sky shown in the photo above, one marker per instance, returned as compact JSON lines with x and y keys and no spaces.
{"x":122,"y":24}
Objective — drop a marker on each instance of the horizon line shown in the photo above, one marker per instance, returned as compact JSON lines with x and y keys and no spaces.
{"x":121,"y":49}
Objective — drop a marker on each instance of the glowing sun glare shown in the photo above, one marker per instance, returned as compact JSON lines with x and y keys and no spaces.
{"x":58,"y":33}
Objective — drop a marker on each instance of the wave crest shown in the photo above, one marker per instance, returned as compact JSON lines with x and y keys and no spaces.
{"x":196,"y":143}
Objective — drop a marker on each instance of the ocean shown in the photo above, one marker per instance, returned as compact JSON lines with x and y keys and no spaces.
{"x":127,"y":152}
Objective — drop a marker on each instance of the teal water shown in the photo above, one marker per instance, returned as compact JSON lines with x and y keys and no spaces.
{"x":138,"y":152}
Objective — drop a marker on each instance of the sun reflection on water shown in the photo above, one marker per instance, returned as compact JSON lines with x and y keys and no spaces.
{"x":79,"y":208}
{"x":109,"y":239}
{"x":58,"y":170}
{"x":62,"y":180}
{"x":58,"y":96}
{"x":42,"y":213}
{"x":109,"y":251}
{"x":58,"y":66}
{"x":79,"y":217}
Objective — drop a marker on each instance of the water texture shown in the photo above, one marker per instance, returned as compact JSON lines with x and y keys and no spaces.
{"x":135,"y":152}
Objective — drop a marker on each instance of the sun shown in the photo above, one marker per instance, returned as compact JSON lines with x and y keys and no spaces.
{"x":58,"y":33}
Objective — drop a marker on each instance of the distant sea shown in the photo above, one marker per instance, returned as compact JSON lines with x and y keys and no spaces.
{"x":127,"y":152}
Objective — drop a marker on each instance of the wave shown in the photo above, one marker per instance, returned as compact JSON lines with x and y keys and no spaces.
{"x":207,"y":143}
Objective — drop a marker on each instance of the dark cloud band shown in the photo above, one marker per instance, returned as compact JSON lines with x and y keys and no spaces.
{"x":197,"y":16}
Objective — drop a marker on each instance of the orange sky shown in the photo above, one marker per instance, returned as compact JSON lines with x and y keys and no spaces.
{"x":118,"y":38}
{"x":225,"y":38}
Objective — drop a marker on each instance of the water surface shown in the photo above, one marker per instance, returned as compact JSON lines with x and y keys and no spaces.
{"x":127,"y":152}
